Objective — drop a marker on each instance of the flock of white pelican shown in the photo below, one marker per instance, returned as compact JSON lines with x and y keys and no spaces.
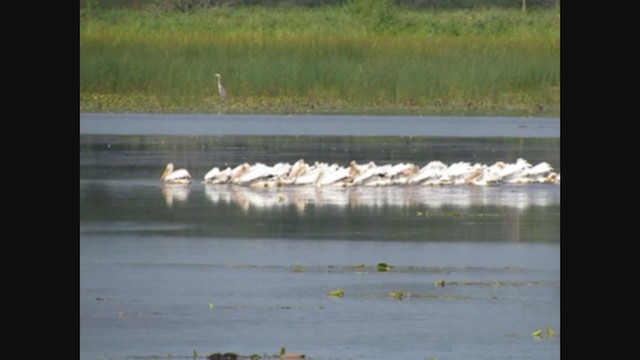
{"x":321,"y":174}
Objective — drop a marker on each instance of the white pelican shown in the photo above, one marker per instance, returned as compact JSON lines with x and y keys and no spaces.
{"x":212,"y":174}
{"x":307,"y":176}
{"x":541,"y":169}
{"x":281,"y":170}
{"x":217,"y":176}
{"x":482,"y":176}
{"x":430,"y":172}
{"x":259,"y":171}
{"x":530,"y":175}
{"x":295,"y":170}
{"x":180,"y":176}
{"x":552,"y":178}
{"x":514,"y":171}
{"x":375,"y":176}
{"x":334,"y":175}
{"x":370,"y":174}
{"x":238,"y":171}
{"x":401,"y":173}
{"x":357,"y":169}
{"x":259,"y":175}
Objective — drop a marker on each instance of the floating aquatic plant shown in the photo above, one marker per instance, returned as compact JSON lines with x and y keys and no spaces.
{"x":211,"y":306}
{"x":225,"y":356}
{"x":337,"y":293}
{"x":383,"y":267}
{"x":544,"y":333}
{"x":399,"y":295}
{"x":285,"y":355}
{"x":440,"y":283}
{"x":298,"y":268}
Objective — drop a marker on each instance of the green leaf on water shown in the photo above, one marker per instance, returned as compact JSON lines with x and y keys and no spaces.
{"x":211,"y":306}
{"x":338,"y":293}
{"x":399,"y":295}
{"x":544,"y":333}
{"x":383,"y":267}
{"x":550,"y":331}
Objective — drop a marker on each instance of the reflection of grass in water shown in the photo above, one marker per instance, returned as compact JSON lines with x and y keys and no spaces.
{"x":320,"y":61}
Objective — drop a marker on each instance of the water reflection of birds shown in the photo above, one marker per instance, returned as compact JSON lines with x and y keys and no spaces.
{"x":180,"y":176}
{"x":377,"y":198}
{"x":175,"y":192}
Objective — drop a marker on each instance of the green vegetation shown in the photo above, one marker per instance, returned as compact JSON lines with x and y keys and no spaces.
{"x":298,"y":269}
{"x":366,"y":56}
{"x":399,"y":295}
{"x":544,"y":333}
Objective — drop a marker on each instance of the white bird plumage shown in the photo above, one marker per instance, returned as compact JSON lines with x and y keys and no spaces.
{"x":180,"y":176}
{"x":322,"y":174}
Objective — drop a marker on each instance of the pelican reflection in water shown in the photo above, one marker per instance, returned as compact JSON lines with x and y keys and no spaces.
{"x":376,"y":198}
{"x":175,"y":192}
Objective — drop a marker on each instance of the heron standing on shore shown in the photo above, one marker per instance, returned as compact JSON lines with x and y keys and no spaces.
{"x":221,"y":91}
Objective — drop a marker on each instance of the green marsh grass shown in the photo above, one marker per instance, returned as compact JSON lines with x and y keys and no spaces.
{"x":320,"y":60}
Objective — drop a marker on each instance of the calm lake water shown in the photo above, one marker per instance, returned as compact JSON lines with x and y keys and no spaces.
{"x":166,"y":270}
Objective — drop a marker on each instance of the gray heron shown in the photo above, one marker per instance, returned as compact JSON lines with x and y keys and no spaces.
{"x":221,"y":91}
